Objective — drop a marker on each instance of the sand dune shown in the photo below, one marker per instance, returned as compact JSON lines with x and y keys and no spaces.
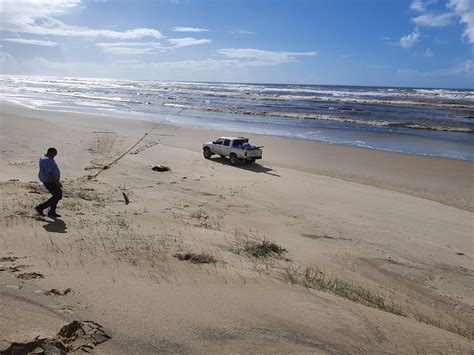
{"x":390,"y":233}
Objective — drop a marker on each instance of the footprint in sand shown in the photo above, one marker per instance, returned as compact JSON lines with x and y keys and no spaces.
{"x":64,"y":308}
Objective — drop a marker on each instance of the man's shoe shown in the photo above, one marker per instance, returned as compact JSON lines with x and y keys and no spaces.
{"x":40,"y":212}
{"x":53,"y":214}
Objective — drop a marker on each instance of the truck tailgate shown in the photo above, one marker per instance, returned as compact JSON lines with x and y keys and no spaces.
{"x":253,"y":153}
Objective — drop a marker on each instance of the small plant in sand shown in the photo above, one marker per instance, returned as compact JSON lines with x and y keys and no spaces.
{"x":262,"y":249}
{"x":314,"y":278}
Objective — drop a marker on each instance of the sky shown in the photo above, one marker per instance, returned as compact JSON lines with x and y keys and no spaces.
{"x":415,"y":43}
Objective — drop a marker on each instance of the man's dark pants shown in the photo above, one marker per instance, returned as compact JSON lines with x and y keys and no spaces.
{"x":55,"y":190}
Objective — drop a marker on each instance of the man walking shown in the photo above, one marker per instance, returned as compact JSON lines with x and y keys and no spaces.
{"x":50,"y":176}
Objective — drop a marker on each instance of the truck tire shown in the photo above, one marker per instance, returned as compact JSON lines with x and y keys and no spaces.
{"x":233,"y":159}
{"x":207,"y":153}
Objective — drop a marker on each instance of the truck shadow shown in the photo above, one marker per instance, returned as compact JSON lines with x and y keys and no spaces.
{"x":254,"y":167}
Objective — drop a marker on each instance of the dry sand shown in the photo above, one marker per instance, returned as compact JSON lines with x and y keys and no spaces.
{"x":397,"y":225}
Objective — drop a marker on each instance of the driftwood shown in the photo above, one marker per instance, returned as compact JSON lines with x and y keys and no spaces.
{"x":125,"y":197}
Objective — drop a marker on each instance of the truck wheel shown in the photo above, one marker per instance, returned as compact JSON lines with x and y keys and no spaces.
{"x":233,"y":159}
{"x":207,"y":153}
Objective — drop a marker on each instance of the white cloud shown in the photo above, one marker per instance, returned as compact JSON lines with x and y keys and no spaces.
{"x":250,"y":53}
{"x":6,"y":59}
{"x":128,"y":44}
{"x":465,"y":68}
{"x":465,"y":10}
{"x":419,"y":5}
{"x":428,"y":53}
{"x":127,"y":50}
{"x":189,"y":29}
{"x":410,"y":39}
{"x":132,"y":61}
{"x":129,"y":47}
{"x":431,"y":20}
{"x":35,"y":17}
{"x":183,"y":42}
{"x":214,"y":65}
{"x":242,"y":32}
{"x":207,"y":69}
{"x":31,"y":41}
{"x":147,"y":47}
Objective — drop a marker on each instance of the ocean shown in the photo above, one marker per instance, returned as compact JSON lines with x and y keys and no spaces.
{"x":426,"y":121}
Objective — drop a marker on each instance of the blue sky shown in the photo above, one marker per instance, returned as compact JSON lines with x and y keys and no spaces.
{"x":423,"y":43}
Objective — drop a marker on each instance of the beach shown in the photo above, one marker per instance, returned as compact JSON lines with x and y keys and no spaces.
{"x":376,"y":251}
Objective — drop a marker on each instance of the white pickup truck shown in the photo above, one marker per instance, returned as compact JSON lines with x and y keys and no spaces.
{"x":236,"y":148}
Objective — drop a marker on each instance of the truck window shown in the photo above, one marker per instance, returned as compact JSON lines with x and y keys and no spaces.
{"x":219,"y":141}
{"x":237,"y":143}
{"x":227,"y":142}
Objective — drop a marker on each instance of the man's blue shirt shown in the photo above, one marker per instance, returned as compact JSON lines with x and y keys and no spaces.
{"x":48,"y":165}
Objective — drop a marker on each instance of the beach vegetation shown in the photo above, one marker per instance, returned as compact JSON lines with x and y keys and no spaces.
{"x":464,"y":330}
{"x":262,"y":249}
{"x":313,"y":277}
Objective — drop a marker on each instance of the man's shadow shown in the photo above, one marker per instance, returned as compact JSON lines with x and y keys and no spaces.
{"x":55,"y":226}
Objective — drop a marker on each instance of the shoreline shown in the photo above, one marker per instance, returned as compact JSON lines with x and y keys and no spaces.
{"x":425,"y":131}
{"x":444,"y":180}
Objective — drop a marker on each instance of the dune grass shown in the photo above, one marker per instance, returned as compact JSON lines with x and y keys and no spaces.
{"x":312,"y":277}
{"x":262,"y":249}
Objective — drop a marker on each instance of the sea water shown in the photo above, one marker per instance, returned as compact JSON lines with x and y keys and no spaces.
{"x":438,"y":122}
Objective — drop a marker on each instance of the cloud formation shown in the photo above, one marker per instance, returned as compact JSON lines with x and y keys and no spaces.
{"x":36,"y":17}
{"x":129,"y":47}
{"x":188,"y":41}
{"x":251,"y":53}
{"x":430,"y":20}
{"x":419,"y":5}
{"x":242,"y":32}
{"x":461,"y":9}
{"x":34,"y":42}
{"x":410,"y":39}
{"x":465,"y":10}
{"x":189,"y":29}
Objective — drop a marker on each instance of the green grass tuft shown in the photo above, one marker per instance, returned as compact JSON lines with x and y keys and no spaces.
{"x":263,"y":249}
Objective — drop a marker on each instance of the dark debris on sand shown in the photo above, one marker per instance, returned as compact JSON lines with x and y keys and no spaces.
{"x":196,"y":258}
{"x":160,"y":168}
{"x":75,"y":336}
{"x":56,"y":292}
{"x":30,"y":276}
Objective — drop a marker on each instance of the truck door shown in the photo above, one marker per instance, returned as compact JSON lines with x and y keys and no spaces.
{"x":226,"y":147}
{"x":217,"y":146}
